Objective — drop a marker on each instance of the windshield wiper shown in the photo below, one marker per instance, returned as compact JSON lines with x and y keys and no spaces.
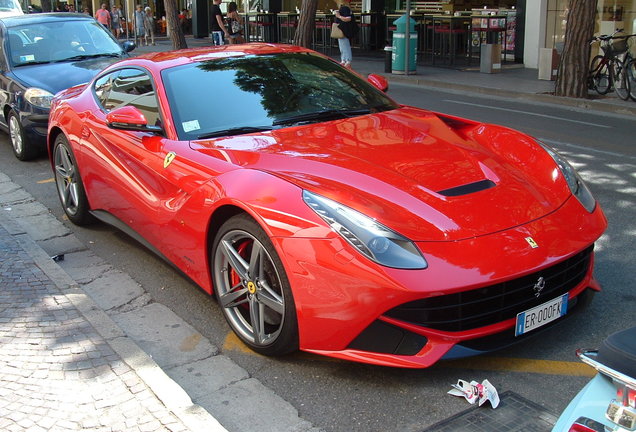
{"x":330,"y":114}
{"x":235,"y":131}
{"x":31,"y":63}
{"x":87,"y":56}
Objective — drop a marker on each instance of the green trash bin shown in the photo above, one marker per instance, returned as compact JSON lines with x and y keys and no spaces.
{"x":399,"y":46}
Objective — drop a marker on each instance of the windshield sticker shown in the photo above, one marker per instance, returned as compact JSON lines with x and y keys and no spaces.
{"x":26,"y":58}
{"x":191,"y":125}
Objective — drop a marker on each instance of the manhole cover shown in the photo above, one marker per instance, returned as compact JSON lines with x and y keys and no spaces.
{"x":514,"y":413}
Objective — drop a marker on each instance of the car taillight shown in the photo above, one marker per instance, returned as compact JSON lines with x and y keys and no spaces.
{"x":584,"y":424}
{"x":627,"y":396}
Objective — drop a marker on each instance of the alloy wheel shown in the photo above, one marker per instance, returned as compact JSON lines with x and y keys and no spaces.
{"x":66,"y":179}
{"x":15,"y":133}
{"x":249,"y":288}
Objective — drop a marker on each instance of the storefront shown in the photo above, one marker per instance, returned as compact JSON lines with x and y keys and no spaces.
{"x":449,"y":31}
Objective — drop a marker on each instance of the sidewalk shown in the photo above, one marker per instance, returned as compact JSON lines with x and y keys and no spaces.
{"x":57,"y":370}
{"x":514,"y":81}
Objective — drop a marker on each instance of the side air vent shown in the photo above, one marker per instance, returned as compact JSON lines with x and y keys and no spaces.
{"x":468,"y":188}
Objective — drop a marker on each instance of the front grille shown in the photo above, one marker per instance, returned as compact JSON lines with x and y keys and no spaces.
{"x":492,"y":304}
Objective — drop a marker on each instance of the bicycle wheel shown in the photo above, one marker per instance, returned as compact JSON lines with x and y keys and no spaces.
{"x":619,"y":79}
{"x":600,"y":79}
{"x":630,"y":75}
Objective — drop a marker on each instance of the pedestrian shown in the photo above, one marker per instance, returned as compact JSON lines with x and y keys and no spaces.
{"x":71,"y":8}
{"x":183,"y":20}
{"x":217,"y":27}
{"x":103,"y":16}
{"x":347,"y":23}
{"x":139,"y":25}
{"x":149,"y":26}
{"x":115,"y":21}
{"x":86,"y":11}
{"x":234,"y":25}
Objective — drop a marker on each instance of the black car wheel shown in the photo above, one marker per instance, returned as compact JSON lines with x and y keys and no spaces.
{"x":22,"y":149}
{"x":70,"y":188}
{"x":252,"y":287}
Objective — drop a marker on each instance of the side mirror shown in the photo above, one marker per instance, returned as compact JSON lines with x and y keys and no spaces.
{"x":379,"y":82}
{"x":128,"y":46}
{"x":130,"y":118}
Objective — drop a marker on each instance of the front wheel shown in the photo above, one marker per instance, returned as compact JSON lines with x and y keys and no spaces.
{"x":630,"y":75}
{"x":251,"y":286}
{"x":22,"y":148}
{"x":600,"y":79}
{"x":619,"y":78}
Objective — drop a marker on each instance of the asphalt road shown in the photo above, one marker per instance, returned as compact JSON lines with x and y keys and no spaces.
{"x":343,"y":396}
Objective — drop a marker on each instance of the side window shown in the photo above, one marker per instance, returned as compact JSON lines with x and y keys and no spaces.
{"x":129,"y":87}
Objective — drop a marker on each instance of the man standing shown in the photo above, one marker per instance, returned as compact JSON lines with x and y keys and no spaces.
{"x":103,"y":16}
{"x":216,"y":26}
{"x":139,"y":25}
{"x":115,"y":21}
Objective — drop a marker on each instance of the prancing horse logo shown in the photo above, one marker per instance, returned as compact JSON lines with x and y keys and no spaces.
{"x":538,"y":286}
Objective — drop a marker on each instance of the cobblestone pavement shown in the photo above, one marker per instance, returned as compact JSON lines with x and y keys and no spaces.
{"x":56,"y":372}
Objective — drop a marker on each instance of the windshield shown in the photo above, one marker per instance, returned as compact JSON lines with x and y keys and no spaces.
{"x":59,"y":41}
{"x":237,"y":95}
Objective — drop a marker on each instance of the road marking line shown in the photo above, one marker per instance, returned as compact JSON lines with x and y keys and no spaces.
{"x":49,"y":180}
{"x":547,"y":367}
{"x":579,"y":147}
{"x":527,"y":112}
{"x":233,"y":343}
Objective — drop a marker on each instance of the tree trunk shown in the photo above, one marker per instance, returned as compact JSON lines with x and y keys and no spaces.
{"x":575,"y":59}
{"x":306,"y":23}
{"x":172,"y":22}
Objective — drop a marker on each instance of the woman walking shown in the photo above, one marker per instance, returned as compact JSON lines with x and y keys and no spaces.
{"x":347,"y":23}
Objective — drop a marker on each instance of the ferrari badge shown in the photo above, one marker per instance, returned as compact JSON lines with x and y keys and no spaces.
{"x":533,"y":244}
{"x":168,"y":159}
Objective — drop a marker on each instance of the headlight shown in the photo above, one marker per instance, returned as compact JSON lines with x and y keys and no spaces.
{"x":372,"y":239}
{"x":38,"y":97}
{"x":576,"y":184}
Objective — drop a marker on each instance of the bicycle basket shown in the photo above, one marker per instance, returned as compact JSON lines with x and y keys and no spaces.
{"x":616,"y":47}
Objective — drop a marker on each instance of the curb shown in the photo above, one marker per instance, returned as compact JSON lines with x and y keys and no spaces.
{"x":171,"y":395}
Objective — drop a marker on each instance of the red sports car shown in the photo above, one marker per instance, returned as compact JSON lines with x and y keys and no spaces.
{"x":323,"y":215}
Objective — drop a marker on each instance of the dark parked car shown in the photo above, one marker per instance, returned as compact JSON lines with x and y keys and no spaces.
{"x":40,"y":55}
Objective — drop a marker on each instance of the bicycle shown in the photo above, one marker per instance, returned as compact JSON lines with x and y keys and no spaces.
{"x":608,"y":71}
{"x":630,"y":74}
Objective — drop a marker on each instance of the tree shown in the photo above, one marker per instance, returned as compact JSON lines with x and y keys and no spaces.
{"x":172,"y":22}
{"x":306,"y":23}
{"x":575,"y":60}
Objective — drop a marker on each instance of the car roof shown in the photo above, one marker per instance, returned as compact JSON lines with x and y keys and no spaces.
{"x":163,"y":60}
{"x":38,"y":18}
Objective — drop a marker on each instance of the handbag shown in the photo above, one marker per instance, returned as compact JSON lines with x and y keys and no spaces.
{"x":336,"y":33}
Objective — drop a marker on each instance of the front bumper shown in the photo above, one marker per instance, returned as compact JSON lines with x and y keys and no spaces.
{"x":339,"y":295}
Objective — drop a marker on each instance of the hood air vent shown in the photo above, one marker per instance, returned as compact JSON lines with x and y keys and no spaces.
{"x":468,"y":188}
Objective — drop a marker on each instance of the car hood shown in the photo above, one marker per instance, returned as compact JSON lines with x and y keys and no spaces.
{"x":427,"y":176}
{"x":54,"y":77}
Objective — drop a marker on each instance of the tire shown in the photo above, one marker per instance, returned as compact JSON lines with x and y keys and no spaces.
{"x":630,"y":75}
{"x":619,"y":78}
{"x":600,"y":76}
{"x":68,"y":182}
{"x":252,"y":288}
{"x":22,"y":148}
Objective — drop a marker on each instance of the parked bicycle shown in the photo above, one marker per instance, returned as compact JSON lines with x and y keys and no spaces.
{"x":610,"y":71}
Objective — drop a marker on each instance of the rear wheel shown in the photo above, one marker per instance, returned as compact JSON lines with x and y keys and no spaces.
{"x":22,"y":148}
{"x":600,"y":76}
{"x":252,"y":288}
{"x":70,"y":188}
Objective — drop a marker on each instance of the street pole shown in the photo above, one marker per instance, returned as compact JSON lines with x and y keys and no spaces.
{"x":407,"y":36}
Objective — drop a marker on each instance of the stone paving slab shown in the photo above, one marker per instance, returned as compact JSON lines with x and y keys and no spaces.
{"x":56,"y":371}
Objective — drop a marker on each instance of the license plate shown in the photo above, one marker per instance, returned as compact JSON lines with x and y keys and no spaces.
{"x":621,"y":415}
{"x":541,"y":315}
